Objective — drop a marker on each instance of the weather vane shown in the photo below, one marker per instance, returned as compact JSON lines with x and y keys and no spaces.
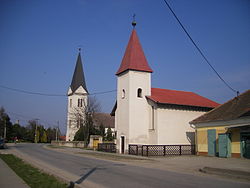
{"x":134,"y":22}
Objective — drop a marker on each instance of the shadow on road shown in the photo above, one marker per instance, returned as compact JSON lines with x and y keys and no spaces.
{"x":86,"y":175}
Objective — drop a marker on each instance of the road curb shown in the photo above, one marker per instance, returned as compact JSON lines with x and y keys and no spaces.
{"x":227,"y":173}
{"x":103,"y":154}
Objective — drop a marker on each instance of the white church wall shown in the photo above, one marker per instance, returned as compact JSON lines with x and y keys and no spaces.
{"x":173,"y":126}
{"x":73,"y":109}
{"x":138,"y":108}
{"x":153,"y":126}
{"x":122,"y":111}
{"x":133,"y":111}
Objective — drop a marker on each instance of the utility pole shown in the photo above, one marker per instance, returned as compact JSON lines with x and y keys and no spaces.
{"x":4,"y":136}
{"x":36,"y":120}
{"x":57,"y":131}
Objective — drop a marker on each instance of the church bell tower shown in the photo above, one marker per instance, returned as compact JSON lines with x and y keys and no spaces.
{"x":133,"y":85}
{"x":77,"y":100}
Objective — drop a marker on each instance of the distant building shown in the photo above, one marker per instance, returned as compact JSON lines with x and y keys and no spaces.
{"x":62,"y":138}
{"x":77,"y":99}
{"x":225,"y":131}
{"x":146,"y":115}
{"x":105,"y":120}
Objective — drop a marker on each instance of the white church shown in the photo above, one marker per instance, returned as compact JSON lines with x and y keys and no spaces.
{"x":153,"y":116}
{"x":77,"y":99}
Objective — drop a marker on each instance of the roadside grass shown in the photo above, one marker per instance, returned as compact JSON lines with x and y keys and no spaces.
{"x":32,"y":176}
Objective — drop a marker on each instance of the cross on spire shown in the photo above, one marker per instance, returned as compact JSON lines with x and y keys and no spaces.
{"x":134,"y":22}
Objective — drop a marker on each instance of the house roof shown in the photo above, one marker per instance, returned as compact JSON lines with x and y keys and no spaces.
{"x":63,"y":138}
{"x":167,"y":96}
{"x":105,"y":119}
{"x":233,"y":109}
{"x":134,"y":58}
{"x":78,"y":77}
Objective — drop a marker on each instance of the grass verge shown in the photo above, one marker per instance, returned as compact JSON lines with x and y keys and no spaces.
{"x":32,"y":176}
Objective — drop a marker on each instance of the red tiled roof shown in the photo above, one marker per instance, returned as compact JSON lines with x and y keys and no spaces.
{"x":167,"y":96}
{"x":134,"y":58}
{"x":62,"y":138}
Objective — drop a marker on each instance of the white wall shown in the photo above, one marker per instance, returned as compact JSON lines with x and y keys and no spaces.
{"x":173,"y":125}
{"x":80,"y":93}
{"x":132,"y":113}
{"x":122,"y":111}
{"x":153,"y":126}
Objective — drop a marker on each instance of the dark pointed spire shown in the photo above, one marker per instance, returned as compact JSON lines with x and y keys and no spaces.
{"x":78,"y":77}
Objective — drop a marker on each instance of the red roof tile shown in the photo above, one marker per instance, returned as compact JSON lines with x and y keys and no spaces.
{"x":134,"y":58}
{"x":167,"y":96}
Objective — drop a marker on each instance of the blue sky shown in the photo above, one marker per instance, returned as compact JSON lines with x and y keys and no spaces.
{"x":40,"y":38}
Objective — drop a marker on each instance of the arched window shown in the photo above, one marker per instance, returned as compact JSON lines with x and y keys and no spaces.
{"x":139,"y":93}
{"x":79,"y":102}
{"x":123,"y":94}
{"x":70,"y":103}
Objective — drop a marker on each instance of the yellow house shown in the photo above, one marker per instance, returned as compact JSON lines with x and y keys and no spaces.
{"x":225,"y":130}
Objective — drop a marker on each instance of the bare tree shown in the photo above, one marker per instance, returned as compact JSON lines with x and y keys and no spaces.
{"x":82,"y":118}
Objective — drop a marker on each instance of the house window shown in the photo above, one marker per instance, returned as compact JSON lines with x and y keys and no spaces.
{"x":69,"y":123}
{"x":70,"y":103}
{"x":123,"y":94}
{"x":139,"y":93}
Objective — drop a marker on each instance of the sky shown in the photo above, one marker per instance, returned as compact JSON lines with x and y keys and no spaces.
{"x":39,"y":41}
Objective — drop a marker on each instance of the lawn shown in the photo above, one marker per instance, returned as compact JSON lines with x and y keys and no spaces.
{"x":32,"y":176}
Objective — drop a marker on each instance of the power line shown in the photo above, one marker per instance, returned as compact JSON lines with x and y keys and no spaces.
{"x":47,"y":94}
{"x":103,"y":92}
{"x":199,"y":50}
{"x":27,"y":118}
{"x":32,"y":93}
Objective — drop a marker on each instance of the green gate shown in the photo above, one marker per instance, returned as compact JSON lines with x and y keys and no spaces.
{"x":211,"y":142}
{"x":224,"y":145}
{"x":245,"y":145}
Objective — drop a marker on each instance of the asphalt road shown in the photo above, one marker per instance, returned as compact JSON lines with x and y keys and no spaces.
{"x":115,"y":174}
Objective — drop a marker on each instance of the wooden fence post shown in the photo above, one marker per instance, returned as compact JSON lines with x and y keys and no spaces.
{"x":147,"y":151}
{"x":180,"y":149}
{"x":164,"y":150}
{"x":142,"y":150}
